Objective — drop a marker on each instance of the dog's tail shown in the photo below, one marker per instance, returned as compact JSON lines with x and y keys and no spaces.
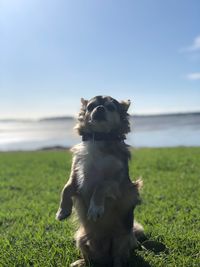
{"x":139,"y":183}
{"x":138,"y":231}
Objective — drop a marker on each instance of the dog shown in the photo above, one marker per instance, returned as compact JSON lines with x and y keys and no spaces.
{"x":99,"y":186}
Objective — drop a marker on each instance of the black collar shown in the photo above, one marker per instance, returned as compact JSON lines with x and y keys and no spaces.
{"x":102,"y":137}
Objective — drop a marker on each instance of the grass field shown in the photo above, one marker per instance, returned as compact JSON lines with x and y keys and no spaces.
{"x":30,"y":185}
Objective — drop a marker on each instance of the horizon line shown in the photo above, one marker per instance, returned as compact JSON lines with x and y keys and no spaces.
{"x":57,"y":117}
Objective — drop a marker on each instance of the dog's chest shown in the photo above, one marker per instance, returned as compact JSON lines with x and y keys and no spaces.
{"x":95,"y":166}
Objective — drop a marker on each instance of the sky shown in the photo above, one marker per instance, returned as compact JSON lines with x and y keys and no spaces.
{"x":53,"y":52}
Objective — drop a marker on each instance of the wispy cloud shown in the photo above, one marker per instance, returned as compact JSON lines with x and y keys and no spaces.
{"x":193,"y":52}
{"x":193,"y":76}
{"x":194,"y":47}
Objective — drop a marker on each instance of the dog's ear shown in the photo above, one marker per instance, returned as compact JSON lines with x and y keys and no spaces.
{"x":125,"y":105}
{"x":84,"y":102}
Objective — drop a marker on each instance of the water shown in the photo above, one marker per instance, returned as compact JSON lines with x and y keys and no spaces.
{"x":147,"y":131}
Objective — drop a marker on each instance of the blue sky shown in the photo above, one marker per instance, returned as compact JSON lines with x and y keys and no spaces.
{"x":53,"y":52}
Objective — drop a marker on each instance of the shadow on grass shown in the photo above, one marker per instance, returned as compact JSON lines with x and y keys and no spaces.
{"x":148,"y":245}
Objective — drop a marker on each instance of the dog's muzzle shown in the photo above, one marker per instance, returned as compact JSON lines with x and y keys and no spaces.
{"x":99,"y":113}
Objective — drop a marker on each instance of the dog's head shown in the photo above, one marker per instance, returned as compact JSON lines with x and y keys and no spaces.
{"x":103,"y":114}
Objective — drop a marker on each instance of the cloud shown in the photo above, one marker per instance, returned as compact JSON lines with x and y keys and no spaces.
{"x":193,"y":52}
{"x":193,"y":76}
{"x":194,"y":47}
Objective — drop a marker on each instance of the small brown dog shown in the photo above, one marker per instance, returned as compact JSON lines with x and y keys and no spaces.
{"x":99,"y":185}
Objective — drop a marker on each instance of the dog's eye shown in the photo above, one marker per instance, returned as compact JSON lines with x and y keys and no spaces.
{"x":90,"y":107}
{"x":111,"y":107}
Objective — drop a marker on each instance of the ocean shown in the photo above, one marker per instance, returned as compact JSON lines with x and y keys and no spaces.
{"x":147,"y":131}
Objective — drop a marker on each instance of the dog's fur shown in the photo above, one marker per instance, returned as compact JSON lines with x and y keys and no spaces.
{"x":99,"y":185}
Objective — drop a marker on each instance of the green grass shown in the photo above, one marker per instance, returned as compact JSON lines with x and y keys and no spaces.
{"x":30,"y":186}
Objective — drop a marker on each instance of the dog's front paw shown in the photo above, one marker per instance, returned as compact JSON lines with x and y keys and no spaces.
{"x":62,"y":214}
{"x":95,"y":212}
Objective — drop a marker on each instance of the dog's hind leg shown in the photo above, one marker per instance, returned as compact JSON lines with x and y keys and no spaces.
{"x":83,"y":243}
{"x":95,"y":250}
{"x":122,"y":248}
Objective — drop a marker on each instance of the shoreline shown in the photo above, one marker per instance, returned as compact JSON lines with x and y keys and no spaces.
{"x":73,"y":118}
{"x":63,"y":148}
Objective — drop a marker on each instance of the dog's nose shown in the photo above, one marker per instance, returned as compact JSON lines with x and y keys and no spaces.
{"x":100,"y":108}
{"x":99,"y":113}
